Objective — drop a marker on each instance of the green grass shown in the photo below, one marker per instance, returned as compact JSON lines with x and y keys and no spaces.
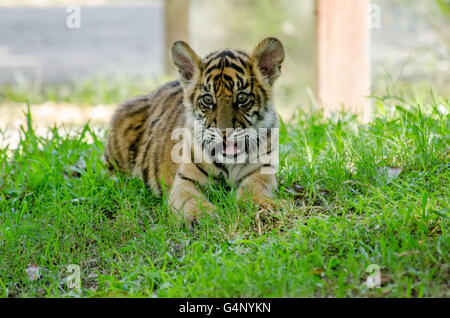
{"x":342,"y":213}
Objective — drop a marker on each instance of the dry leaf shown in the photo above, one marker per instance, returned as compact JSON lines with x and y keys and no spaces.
{"x":33,"y":272}
{"x":390,"y":172}
{"x":317,"y":271}
{"x":386,"y":279}
{"x":298,"y":191}
{"x":299,"y":188}
{"x":408,"y":253}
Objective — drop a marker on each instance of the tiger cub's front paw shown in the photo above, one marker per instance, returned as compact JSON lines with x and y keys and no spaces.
{"x":192,"y":211}
{"x":263,"y":202}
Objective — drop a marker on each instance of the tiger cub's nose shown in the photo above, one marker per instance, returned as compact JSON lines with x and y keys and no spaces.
{"x":226,"y":133}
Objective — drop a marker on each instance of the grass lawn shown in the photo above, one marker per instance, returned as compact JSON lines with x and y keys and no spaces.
{"x":354,"y":195}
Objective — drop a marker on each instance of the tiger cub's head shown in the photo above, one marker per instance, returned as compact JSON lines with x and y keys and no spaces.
{"x":229,"y":92}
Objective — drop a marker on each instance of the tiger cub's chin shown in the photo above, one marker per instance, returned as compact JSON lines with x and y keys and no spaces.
{"x":217,"y":120}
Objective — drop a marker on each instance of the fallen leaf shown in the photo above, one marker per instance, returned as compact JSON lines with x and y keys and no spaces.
{"x":390,"y":172}
{"x":408,"y":253}
{"x":386,"y":279}
{"x":299,"y":188}
{"x":317,"y":271}
{"x":298,"y":191}
{"x":33,"y":272}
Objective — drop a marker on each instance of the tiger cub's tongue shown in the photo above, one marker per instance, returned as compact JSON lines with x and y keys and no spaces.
{"x":231,"y":149}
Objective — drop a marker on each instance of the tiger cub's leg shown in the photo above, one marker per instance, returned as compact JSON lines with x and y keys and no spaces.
{"x":185,"y":197}
{"x":260,"y":187}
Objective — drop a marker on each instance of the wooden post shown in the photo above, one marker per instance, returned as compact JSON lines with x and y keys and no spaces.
{"x":176,"y":14}
{"x":343,"y":56}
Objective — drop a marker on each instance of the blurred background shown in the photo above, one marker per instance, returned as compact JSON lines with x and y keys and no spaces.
{"x":73,"y":70}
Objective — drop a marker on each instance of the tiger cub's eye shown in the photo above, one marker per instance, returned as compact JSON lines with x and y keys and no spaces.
{"x":243,"y":98}
{"x":207,"y":100}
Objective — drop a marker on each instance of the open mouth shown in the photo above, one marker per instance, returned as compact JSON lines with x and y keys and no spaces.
{"x":231,"y":149}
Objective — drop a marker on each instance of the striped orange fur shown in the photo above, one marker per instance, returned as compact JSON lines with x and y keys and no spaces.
{"x":227,"y":89}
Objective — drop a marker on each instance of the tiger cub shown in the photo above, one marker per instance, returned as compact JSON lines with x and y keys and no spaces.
{"x":219,"y":105}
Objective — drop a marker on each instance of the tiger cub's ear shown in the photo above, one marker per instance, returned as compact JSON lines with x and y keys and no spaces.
{"x":267,"y":57}
{"x":186,"y":60}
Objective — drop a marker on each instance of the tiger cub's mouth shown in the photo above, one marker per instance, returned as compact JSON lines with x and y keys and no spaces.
{"x":232,"y":149}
